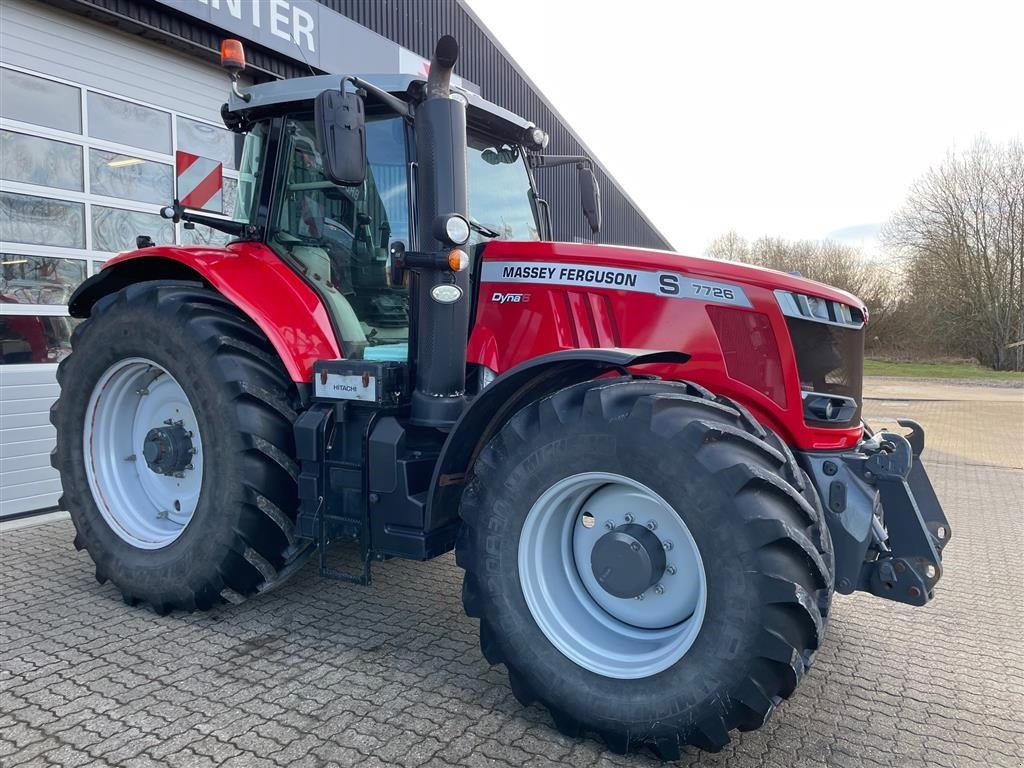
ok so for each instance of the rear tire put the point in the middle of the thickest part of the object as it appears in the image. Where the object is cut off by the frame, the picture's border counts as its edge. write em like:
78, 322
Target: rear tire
237, 539
765, 553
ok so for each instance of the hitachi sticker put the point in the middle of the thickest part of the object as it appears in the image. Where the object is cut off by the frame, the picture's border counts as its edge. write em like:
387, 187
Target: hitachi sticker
673, 285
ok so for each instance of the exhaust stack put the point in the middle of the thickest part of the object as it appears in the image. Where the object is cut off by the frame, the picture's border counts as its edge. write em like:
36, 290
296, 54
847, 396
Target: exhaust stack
440, 328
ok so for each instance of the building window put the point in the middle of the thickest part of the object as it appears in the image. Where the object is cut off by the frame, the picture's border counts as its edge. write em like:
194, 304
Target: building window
42, 162
40, 101
209, 141
35, 338
41, 220
130, 178
71, 195
28, 279
115, 230
127, 123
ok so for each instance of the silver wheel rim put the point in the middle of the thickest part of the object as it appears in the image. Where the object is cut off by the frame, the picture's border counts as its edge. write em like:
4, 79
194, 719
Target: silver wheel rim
623, 638
146, 508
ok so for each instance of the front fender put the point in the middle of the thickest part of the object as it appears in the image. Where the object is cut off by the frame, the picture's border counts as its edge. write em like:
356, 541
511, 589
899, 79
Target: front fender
504, 397
249, 275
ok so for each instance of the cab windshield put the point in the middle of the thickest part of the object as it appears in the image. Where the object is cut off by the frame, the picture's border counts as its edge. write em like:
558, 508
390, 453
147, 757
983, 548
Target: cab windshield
340, 237
499, 191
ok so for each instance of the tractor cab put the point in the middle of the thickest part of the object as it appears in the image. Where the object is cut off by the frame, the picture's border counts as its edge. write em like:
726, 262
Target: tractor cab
340, 237
341, 234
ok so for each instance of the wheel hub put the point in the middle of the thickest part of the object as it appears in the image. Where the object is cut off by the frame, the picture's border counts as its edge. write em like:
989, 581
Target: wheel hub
612, 575
145, 479
628, 560
168, 450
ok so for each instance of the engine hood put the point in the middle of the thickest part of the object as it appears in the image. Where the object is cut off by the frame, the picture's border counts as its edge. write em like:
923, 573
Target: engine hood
650, 259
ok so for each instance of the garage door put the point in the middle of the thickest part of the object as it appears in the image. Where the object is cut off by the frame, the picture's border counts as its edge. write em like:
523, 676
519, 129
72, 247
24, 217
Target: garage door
90, 119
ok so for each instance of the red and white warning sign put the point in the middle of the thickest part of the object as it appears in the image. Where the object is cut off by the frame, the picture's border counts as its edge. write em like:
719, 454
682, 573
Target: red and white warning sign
200, 182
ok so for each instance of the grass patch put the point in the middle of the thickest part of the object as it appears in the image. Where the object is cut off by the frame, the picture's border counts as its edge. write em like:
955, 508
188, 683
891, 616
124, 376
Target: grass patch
938, 370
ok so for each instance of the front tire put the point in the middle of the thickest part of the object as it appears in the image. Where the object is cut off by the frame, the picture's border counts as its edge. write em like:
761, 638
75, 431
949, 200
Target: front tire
175, 445
760, 570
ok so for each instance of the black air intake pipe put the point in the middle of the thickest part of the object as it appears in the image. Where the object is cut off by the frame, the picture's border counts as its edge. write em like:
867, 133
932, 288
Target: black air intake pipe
440, 329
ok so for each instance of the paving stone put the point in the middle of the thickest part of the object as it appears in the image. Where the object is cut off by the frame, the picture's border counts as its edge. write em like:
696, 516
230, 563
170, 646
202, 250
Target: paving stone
319, 674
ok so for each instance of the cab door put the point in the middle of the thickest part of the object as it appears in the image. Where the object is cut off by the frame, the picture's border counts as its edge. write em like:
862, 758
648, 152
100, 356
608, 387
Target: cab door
339, 238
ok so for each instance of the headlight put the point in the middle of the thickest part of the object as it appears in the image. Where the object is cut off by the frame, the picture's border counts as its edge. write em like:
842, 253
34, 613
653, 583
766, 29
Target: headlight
536, 138
818, 310
453, 228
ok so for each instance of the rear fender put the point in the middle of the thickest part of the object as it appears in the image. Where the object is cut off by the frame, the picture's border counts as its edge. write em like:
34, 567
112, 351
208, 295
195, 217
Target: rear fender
250, 276
504, 397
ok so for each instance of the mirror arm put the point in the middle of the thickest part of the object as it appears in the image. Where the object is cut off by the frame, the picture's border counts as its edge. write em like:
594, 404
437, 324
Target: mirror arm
554, 161
392, 102
177, 212
246, 97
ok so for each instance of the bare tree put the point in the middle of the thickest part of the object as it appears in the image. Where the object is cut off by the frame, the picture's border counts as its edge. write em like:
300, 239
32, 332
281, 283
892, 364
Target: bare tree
961, 236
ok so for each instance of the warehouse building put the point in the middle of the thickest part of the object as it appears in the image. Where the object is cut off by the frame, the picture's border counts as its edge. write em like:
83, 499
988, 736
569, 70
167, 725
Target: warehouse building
96, 96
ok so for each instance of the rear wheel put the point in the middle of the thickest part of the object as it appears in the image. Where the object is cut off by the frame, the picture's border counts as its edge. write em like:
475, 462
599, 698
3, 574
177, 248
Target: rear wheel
174, 444
643, 559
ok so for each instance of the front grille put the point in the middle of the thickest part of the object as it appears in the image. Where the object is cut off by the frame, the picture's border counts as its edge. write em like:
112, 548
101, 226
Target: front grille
750, 350
830, 360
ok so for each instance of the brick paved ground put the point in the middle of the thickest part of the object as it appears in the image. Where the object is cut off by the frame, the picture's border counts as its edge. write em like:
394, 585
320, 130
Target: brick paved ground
322, 673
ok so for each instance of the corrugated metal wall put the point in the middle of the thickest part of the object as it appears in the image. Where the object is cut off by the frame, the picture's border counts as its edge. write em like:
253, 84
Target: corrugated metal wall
416, 25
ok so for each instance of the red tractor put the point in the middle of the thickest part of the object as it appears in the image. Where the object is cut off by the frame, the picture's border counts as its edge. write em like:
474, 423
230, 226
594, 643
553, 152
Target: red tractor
652, 467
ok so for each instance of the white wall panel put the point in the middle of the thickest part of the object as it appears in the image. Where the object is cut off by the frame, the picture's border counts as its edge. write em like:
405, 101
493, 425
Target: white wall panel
27, 481
40, 37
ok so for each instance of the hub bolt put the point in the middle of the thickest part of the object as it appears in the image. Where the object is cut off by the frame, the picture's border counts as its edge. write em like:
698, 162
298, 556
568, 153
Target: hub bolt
640, 596
671, 570
651, 525
659, 589
629, 518
667, 545
610, 525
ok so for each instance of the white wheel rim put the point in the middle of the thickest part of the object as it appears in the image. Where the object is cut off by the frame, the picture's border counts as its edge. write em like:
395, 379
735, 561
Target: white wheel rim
145, 507
614, 637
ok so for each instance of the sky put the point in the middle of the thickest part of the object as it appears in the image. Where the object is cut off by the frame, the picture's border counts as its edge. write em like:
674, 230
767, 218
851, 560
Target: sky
790, 119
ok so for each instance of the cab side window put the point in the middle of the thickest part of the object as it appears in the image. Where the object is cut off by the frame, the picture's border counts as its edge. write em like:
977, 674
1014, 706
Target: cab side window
340, 236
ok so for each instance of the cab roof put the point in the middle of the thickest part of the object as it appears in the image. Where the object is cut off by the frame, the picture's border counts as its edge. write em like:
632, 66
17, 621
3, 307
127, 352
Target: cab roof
277, 94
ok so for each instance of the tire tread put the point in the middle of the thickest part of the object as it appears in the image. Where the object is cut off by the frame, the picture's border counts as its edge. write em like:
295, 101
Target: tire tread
765, 473
245, 364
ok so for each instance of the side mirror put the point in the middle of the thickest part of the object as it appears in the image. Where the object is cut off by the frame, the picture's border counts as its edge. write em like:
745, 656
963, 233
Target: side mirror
341, 136
590, 196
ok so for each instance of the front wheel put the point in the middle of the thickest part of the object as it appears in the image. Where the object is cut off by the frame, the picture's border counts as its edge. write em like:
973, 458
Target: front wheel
175, 445
644, 559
